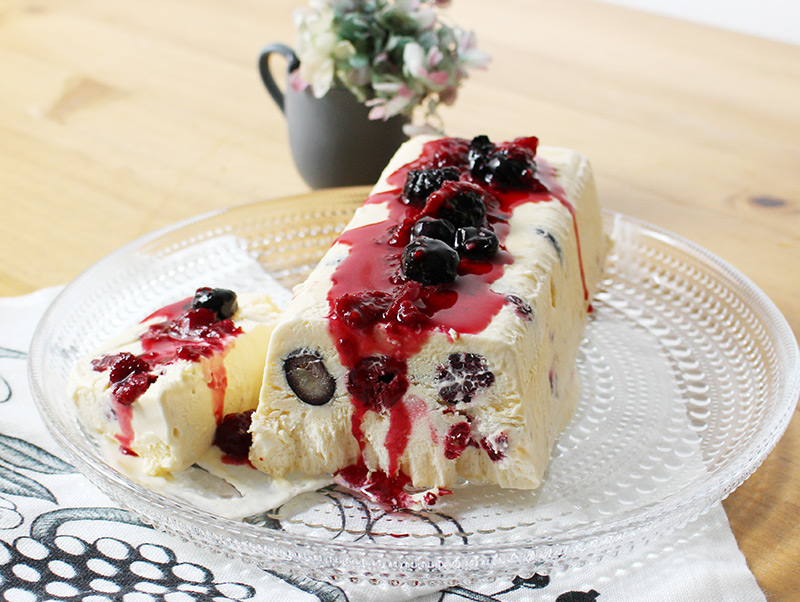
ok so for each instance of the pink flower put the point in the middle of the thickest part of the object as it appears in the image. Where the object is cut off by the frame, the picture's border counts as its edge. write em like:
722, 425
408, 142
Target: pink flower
296, 81
396, 97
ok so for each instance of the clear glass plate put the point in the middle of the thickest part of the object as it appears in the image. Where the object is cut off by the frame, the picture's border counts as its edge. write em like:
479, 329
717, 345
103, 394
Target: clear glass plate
689, 373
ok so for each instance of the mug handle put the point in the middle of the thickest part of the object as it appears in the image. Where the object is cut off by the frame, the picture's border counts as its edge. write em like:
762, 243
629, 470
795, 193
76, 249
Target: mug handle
266, 74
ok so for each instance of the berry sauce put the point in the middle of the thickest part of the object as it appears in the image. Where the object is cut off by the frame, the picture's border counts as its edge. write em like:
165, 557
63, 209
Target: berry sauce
376, 312
184, 333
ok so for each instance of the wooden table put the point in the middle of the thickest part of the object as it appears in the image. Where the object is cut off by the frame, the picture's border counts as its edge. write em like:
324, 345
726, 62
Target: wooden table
118, 117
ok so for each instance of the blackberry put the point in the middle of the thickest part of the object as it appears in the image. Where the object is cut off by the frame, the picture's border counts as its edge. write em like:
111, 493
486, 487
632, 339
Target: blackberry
420, 183
521, 308
430, 261
461, 204
511, 167
479, 150
462, 376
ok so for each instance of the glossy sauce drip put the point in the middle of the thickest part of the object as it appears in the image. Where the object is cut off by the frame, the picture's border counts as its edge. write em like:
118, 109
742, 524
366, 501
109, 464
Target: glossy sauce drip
217, 381
126, 435
394, 317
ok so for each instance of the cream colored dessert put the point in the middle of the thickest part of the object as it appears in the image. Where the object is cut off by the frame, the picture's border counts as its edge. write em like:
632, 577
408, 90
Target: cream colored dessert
384, 372
178, 374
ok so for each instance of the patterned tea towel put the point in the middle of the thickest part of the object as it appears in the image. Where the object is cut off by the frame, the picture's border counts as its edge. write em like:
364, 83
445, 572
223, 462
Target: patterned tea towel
61, 539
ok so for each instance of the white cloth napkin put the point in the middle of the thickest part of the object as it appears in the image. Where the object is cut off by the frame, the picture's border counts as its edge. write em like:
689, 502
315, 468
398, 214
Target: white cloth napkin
61, 539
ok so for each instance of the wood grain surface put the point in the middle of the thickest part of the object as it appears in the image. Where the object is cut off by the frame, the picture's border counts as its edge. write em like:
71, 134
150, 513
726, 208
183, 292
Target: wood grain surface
118, 117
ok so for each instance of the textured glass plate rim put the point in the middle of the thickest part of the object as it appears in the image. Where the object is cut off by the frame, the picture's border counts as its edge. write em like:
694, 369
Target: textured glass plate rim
674, 511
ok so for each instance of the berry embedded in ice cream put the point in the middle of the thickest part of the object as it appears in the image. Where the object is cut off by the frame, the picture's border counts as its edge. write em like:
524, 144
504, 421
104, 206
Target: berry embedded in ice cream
161, 390
437, 338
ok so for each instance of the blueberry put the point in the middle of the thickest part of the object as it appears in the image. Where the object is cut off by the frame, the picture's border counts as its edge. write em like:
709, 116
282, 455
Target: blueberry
219, 300
440, 229
308, 377
511, 167
430, 261
378, 381
462, 206
479, 150
233, 434
420, 183
508, 167
476, 243
462, 376
552, 240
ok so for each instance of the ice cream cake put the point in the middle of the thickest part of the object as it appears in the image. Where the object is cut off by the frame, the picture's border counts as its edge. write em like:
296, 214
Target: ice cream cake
187, 374
437, 338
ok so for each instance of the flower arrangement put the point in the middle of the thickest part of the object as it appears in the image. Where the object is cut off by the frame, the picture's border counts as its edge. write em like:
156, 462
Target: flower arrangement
393, 55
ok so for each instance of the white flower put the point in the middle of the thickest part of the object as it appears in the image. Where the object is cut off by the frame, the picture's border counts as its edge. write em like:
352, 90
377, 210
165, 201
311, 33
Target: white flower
468, 50
413, 58
393, 55
315, 47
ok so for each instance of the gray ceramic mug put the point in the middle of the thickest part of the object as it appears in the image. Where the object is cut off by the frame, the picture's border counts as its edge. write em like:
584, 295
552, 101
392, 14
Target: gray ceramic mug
333, 143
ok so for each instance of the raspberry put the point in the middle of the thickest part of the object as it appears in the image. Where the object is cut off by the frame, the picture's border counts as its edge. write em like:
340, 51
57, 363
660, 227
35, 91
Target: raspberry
495, 448
132, 388
362, 310
378, 382
125, 365
128, 374
456, 440
233, 436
